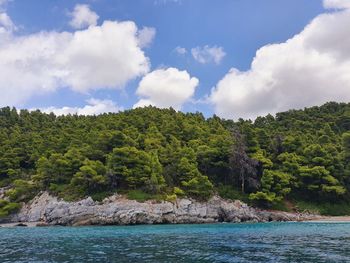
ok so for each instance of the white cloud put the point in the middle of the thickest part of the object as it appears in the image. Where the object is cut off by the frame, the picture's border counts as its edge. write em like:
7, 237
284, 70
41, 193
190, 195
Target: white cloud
180, 50
146, 36
166, 88
336, 4
83, 16
6, 22
104, 56
309, 69
99, 57
94, 107
208, 54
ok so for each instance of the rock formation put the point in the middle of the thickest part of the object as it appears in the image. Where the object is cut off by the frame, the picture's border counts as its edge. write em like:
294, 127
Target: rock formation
116, 210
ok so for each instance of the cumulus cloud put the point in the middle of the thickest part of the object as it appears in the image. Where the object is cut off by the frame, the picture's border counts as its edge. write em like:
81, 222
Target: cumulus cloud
83, 16
336, 4
207, 54
166, 88
146, 36
99, 57
180, 50
104, 56
6, 22
309, 69
93, 107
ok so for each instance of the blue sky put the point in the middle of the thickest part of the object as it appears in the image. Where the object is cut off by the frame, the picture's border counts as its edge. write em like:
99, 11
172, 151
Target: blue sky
239, 28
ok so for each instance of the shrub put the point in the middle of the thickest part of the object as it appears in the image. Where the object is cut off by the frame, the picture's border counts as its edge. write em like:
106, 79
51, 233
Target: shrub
329, 209
7, 208
229, 192
138, 195
171, 198
178, 191
22, 191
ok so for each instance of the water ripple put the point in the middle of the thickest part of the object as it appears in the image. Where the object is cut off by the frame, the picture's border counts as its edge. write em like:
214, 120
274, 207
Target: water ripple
270, 242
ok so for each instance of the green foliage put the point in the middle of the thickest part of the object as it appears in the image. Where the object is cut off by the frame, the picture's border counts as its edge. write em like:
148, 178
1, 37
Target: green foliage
230, 192
289, 163
91, 177
138, 195
324, 208
58, 168
99, 196
22, 191
135, 168
178, 191
171, 198
346, 145
142, 196
275, 185
260, 156
319, 180
187, 170
199, 187
299, 153
66, 191
7, 208
280, 206
156, 182
346, 154
264, 198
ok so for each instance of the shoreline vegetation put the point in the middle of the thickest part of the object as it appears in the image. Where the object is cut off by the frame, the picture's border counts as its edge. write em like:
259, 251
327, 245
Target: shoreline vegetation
296, 161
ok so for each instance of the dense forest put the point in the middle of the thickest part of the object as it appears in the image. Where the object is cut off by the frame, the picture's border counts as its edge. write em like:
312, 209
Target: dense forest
298, 158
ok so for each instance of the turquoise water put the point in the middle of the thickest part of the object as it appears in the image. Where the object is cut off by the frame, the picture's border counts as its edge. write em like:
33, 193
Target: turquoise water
269, 242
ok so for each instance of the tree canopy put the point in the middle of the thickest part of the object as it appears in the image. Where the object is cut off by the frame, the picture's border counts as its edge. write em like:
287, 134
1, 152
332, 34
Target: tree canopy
303, 153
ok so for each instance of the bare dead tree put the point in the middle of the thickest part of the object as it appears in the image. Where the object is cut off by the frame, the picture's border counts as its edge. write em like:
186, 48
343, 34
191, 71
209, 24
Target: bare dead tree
240, 162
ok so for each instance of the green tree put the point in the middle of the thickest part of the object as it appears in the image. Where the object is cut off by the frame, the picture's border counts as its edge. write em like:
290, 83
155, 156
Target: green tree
91, 177
156, 182
54, 169
133, 168
153, 140
289, 163
318, 180
155, 150
346, 146
275, 185
22, 191
346, 155
199, 187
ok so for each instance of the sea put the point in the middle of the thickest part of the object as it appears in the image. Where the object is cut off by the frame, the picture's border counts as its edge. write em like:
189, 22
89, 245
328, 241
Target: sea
225, 242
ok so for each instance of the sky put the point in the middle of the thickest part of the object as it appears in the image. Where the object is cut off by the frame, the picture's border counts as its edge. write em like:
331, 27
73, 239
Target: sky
232, 58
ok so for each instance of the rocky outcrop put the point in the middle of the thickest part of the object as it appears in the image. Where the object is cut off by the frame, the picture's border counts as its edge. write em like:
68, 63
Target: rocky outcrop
117, 210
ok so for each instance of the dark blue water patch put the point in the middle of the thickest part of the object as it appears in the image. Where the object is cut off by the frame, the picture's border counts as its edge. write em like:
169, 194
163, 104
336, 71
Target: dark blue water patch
269, 242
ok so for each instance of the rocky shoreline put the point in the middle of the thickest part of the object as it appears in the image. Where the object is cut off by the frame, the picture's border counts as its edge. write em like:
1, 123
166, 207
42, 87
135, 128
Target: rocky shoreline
47, 210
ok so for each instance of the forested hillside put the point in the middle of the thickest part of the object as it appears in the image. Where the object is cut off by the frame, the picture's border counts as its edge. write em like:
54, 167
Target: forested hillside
300, 155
